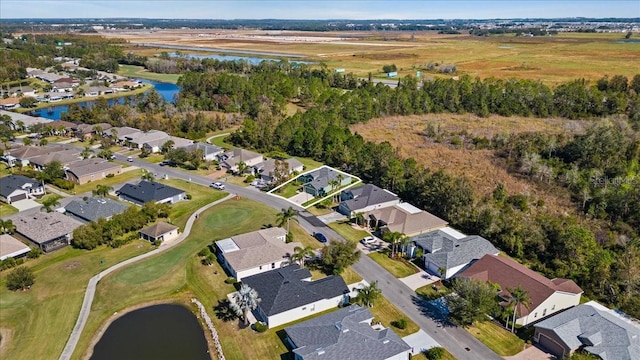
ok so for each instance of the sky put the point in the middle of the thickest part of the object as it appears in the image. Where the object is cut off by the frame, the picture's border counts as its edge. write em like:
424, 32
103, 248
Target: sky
318, 9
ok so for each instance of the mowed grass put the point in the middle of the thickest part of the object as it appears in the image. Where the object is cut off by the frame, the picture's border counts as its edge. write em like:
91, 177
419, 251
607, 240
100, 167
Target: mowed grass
6, 209
347, 231
200, 196
501, 341
112, 181
309, 164
41, 319
398, 268
140, 72
178, 273
447, 356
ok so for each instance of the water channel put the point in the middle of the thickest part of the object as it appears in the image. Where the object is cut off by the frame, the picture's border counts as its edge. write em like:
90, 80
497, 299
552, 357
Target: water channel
158, 332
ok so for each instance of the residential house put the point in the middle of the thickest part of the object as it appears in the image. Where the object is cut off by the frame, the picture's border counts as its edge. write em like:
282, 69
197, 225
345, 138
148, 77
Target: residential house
160, 232
84, 131
49, 231
365, 198
137, 140
11, 247
125, 85
20, 156
84, 171
47, 76
18, 91
10, 103
155, 146
288, 294
22, 121
123, 133
98, 91
348, 333
146, 191
319, 182
65, 157
548, 296
17, 187
266, 170
210, 152
232, 158
63, 87
255, 252
403, 218
447, 251
94, 208
593, 328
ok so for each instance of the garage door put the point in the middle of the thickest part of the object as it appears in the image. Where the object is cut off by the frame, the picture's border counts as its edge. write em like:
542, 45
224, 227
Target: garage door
17, 197
551, 345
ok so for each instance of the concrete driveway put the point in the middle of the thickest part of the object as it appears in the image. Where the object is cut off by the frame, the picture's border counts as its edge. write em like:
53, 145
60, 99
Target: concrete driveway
531, 353
419, 280
420, 341
25, 204
331, 217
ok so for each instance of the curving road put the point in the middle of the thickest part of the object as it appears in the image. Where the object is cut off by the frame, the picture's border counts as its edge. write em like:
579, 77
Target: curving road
93, 282
456, 340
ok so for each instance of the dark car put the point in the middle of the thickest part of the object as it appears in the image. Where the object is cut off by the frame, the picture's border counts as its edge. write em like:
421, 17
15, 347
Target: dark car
320, 237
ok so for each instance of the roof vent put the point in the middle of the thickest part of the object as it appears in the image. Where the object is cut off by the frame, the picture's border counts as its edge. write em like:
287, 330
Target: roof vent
345, 330
337, 325
385, 342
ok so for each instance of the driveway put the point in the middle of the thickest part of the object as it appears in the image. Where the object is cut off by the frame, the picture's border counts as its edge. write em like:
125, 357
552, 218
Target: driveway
420, 341
25, 204
331, 217
300, 199
531, 353
419, 280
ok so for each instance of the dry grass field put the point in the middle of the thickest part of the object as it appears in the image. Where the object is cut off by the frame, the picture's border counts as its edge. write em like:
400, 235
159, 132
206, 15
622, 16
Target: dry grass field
481, 167
550, 59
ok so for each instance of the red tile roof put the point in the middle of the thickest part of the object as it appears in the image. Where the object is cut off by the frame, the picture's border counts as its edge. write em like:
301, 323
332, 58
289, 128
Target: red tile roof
509, 274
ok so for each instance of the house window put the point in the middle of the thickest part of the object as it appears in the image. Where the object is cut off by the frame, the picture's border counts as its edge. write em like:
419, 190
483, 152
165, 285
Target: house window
304, 308
544, 312
273, 265
535, 315
260, 267
553, 307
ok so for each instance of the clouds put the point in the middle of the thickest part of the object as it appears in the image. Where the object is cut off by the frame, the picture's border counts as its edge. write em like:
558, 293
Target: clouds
328, 9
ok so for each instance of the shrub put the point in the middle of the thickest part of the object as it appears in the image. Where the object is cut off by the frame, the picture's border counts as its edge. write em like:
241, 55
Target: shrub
209, 259
230, 280
204, 252
260, 326
400, 324
34, 253
188, 196
110, 175
157, 242
64, 184
435, 353
20, 279
249, 179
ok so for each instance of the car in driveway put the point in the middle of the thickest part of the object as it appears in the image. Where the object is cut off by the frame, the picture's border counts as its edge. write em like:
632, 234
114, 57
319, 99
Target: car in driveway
320, 237
368, 240
217, 185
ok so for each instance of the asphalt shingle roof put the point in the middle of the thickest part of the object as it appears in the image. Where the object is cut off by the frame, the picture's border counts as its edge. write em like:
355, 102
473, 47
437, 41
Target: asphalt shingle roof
367, 195
41, 227
448, 252
322, 177
147, 191
91, 166
288, 288
11, 183
94, 208
345, 334
600, 330
158, 229
257, 248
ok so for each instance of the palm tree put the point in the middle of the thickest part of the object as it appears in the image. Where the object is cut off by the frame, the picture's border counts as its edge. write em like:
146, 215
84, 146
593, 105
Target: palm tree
285, 215
102, 190
242, 167
7, 226
368, 294
519, 296
360, 220
300, 254
245, 300
147, 175
394, 238
86, 153
49, 203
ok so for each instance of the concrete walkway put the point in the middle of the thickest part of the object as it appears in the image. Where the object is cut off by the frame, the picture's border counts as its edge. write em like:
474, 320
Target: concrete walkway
91, 288
215, 136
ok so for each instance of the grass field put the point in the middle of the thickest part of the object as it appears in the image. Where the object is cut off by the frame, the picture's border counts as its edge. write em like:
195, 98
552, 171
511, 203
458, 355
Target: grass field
6, 209
200, 196
501, 341
154, 158
140, 72
347, 231
90, 186
427, 292
398, 268
219, 141
309, 164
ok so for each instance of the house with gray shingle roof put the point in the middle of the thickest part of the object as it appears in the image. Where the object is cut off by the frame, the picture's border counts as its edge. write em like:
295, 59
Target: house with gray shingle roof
160, 231
255, 252
345, 334
288, 294
319, 182
146, 191
19, 187
365, 198
49, 231
94, 208
210, 152
451, 251
592, 328
403, 218
232, 158
266, 170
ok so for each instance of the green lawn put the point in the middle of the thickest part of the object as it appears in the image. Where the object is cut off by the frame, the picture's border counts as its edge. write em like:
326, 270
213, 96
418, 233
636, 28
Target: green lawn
219, 141
154, 158
319, 211
349, 276
398, 268
447, 356
385, 312
6, 209
140, 72
501, 341
309, 164
288, 190
427, 292
347, 231
300, 235
200, 196
118, 179
41, 319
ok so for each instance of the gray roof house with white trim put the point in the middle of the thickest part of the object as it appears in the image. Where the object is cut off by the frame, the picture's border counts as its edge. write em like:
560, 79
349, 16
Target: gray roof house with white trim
345, 334
288, 294
365, 198
94, 208
146, 191
210, 151
19, 187
593, 328
445, 250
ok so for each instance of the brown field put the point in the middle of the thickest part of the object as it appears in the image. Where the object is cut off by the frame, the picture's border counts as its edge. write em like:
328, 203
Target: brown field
551, 59
482, 167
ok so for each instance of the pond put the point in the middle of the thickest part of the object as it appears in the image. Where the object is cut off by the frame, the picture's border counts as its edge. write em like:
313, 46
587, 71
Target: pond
166, 90
250, 59
154, 333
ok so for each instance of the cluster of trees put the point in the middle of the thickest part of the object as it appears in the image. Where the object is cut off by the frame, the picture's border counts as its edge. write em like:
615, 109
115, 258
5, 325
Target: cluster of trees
181, 157
112, 232
561, 246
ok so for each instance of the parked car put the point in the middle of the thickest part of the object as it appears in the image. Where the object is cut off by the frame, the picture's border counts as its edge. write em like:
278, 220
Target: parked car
217, 185
368, 240
320, 237
130, 158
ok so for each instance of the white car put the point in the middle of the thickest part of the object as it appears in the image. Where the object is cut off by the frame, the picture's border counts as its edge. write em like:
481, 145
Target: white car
217, 185
368, 240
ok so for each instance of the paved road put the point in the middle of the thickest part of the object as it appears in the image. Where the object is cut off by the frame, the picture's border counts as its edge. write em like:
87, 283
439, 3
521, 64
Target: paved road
93, 282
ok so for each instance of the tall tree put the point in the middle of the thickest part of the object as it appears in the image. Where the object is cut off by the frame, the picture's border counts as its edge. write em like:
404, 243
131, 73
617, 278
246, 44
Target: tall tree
368, 294
337, 256
245, 300
7, 226
285, 216
471, 301
102, 190
50, 202
147, 175
394, 238
519, 298
20, 279
300, 254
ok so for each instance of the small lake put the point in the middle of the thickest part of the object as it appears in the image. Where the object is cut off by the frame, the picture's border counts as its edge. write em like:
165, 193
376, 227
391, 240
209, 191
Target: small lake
159, 332
166, 90
250, 59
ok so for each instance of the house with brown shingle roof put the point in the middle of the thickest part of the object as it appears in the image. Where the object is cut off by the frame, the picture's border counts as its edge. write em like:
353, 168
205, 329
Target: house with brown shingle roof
404, 218
548, 296
255, 252
83, 171
49, 231
159, 232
